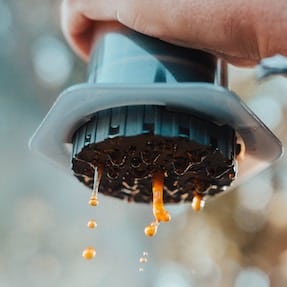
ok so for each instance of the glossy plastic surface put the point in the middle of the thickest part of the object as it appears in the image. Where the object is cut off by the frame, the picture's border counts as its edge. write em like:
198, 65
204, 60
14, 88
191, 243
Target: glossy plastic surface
77, 104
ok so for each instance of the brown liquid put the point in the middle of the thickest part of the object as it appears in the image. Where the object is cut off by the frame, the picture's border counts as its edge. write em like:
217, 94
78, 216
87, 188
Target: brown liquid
92, 224
159, 211
93, 201
143, 260
97, 180
151, 229
89, 253
241, 155
197, 202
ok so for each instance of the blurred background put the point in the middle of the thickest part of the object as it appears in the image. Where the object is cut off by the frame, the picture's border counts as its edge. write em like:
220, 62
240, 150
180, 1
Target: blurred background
239, 240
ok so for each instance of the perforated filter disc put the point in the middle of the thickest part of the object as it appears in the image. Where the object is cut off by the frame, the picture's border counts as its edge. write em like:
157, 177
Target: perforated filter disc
78, 104
129, 145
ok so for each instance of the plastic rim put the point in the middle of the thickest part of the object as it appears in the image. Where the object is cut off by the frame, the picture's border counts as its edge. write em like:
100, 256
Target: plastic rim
78, 103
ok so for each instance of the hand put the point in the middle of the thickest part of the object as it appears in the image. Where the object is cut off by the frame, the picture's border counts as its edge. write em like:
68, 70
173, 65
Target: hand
240, 31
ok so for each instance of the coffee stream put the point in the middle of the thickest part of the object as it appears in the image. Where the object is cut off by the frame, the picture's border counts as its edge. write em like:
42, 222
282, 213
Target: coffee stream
159, 212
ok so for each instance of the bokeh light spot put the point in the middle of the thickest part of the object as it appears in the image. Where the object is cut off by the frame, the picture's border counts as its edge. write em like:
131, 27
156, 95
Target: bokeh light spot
268, 109
173, 275
256, 193
251, 277
52, 61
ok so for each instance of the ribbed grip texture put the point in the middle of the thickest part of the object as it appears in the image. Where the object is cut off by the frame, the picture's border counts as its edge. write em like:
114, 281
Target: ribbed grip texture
131, 143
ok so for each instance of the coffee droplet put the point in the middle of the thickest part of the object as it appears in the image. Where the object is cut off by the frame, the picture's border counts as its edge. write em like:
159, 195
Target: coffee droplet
143, 260
92, 223
93, 201
141, 269
151, 229
197, 202
89, 253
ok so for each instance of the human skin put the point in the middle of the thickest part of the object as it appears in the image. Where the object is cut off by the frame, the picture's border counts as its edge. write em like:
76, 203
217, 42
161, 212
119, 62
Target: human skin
240, 31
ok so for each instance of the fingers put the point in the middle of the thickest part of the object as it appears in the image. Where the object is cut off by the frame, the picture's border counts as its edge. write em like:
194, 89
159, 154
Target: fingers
79, 21
192, 23
76, 27
227, 28
81, 18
